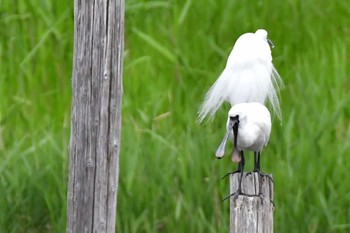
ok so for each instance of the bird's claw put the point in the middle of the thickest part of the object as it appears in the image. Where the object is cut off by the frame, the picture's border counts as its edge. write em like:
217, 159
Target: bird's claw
262, 197
260, 174
249, 173
239, 192
266, 175
230, 173
235, 195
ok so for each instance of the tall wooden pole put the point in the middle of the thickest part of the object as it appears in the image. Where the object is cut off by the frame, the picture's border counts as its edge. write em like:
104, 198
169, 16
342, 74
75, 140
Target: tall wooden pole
251, 213
96, 116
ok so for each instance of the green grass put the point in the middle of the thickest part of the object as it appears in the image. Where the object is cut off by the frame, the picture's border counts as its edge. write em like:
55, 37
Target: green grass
174, 50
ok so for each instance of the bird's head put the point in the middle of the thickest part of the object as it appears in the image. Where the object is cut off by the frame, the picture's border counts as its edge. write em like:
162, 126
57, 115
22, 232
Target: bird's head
249, 49
232, 131
232, 126
262, 33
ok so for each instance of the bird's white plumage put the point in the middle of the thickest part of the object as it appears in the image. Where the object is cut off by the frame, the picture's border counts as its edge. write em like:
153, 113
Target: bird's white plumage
249, 76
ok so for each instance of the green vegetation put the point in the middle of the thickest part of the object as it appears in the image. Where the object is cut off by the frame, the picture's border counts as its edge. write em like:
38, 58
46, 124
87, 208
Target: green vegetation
174, 50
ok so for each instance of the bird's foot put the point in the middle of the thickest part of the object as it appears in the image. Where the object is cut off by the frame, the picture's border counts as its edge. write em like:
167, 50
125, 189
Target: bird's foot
266, 175
239, 193
235, 195
262, 198
260, 174
249, 173
231, 173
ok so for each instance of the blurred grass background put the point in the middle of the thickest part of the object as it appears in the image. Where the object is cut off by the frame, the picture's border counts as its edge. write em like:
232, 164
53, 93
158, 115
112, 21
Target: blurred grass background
174, 50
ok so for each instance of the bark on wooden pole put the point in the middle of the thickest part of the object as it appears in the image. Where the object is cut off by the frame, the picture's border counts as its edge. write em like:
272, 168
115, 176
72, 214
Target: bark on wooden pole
96, 115
251, 213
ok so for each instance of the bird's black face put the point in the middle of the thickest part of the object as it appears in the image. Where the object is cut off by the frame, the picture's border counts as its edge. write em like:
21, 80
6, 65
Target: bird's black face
270, 43
234, 122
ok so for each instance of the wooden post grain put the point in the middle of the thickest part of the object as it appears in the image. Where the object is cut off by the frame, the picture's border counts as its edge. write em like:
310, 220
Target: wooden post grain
96, 116
251, 214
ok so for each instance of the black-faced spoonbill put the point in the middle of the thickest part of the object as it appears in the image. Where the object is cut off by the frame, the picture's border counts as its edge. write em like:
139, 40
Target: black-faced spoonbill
249, 126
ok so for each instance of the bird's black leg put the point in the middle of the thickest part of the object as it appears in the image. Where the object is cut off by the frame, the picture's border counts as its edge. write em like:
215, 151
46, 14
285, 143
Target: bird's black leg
257, 166
256, 163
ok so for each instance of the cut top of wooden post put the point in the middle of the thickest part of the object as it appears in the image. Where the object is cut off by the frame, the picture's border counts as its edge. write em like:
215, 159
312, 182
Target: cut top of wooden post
250, 184
251, 212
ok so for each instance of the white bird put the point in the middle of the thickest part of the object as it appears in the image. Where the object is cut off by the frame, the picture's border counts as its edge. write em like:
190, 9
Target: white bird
249, 126
249, 76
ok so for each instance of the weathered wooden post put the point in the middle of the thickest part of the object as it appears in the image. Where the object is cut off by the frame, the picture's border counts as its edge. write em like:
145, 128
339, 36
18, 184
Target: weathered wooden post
251, 213
96, 116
